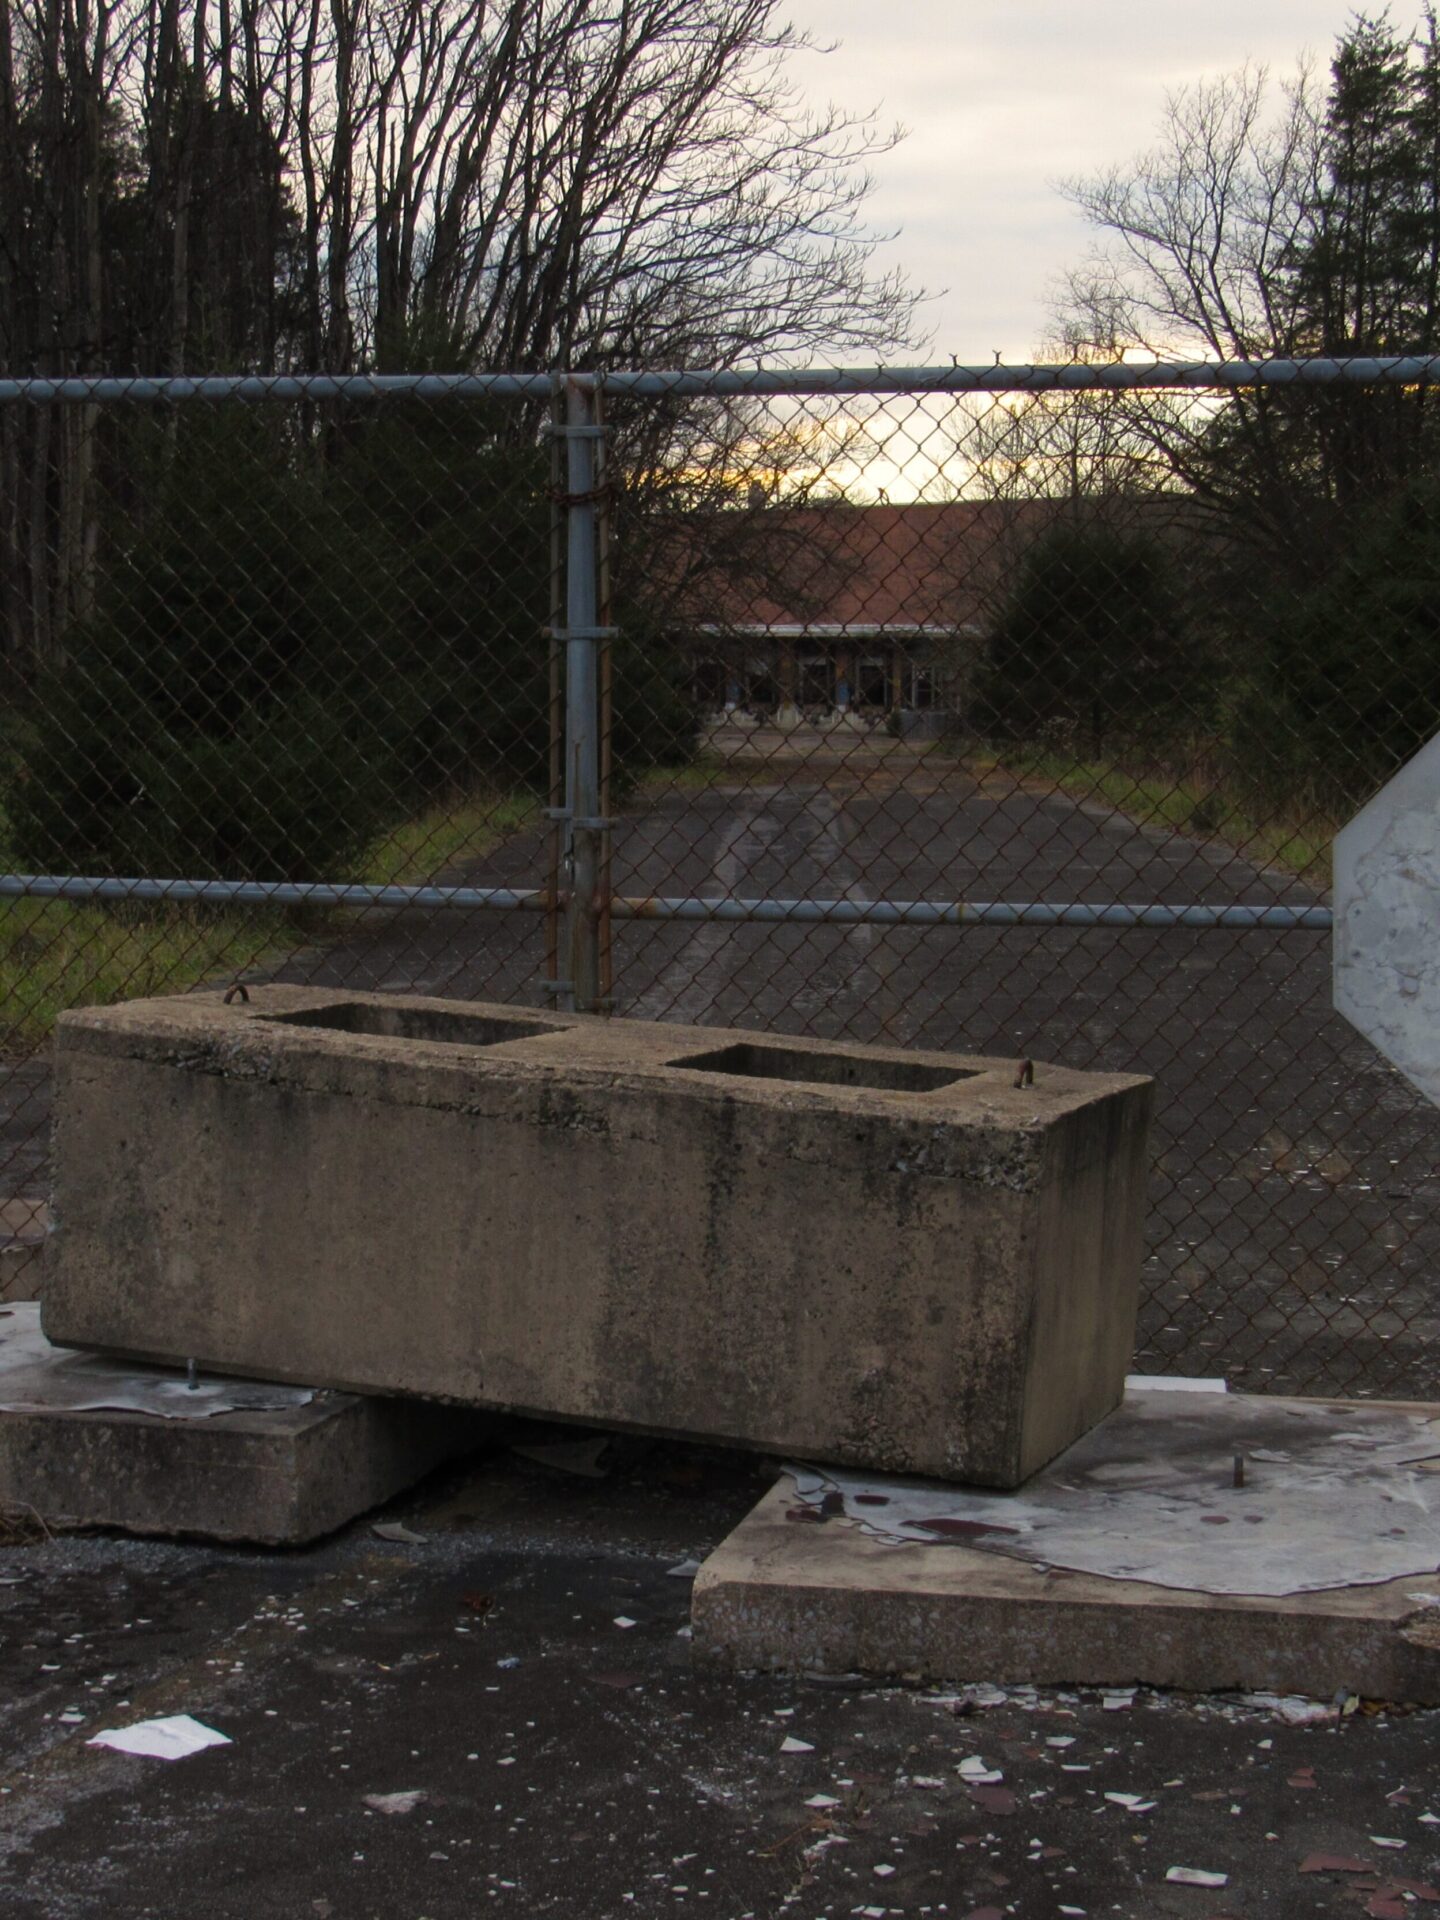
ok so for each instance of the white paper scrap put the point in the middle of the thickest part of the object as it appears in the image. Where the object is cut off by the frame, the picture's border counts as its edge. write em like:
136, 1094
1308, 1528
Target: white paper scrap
822, 1802
791, 1745
975, 1770
175, 1738
1132, 1802
1196, 1877
1171, 1383
395, 1802
1379, 1840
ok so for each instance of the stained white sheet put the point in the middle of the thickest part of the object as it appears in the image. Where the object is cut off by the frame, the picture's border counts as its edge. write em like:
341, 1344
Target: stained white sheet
1334, 1495
37, 1377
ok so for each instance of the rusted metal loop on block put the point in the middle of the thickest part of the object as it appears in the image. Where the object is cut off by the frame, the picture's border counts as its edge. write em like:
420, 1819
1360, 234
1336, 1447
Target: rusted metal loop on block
237, 986
1025, 1076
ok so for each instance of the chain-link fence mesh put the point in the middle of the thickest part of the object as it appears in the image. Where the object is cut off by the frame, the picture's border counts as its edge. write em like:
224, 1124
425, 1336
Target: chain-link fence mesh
1139, 647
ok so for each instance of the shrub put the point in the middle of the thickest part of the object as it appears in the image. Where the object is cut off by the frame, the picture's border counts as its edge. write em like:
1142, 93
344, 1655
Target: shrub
1343, 684
301, 641
1091, 641
224, 712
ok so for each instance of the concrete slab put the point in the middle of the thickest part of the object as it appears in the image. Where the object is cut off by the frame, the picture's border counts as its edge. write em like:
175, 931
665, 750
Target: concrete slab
835, 1574
918, 1262
86, 1442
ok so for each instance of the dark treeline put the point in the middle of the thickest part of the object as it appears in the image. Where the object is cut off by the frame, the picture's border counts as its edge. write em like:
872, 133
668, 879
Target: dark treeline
246, 640
1289, 607
352, 185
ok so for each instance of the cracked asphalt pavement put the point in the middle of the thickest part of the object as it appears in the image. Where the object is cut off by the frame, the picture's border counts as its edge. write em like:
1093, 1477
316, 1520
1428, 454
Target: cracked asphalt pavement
554, 1759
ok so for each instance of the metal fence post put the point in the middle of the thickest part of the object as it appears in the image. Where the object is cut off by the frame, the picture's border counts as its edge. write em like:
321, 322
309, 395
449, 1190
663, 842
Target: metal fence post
582, 702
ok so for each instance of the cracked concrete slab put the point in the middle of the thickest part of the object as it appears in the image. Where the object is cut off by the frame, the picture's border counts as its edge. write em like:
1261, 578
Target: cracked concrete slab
1127, 1561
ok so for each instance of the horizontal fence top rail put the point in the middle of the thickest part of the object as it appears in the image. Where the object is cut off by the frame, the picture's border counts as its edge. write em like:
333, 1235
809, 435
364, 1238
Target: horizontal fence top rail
920, 913
779, 382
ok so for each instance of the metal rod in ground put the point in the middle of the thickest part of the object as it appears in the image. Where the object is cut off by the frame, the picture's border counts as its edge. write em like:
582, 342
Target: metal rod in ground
917, 913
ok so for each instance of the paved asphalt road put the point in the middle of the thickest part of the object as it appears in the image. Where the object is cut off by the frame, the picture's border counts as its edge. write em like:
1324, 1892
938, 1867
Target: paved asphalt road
571, 1766
1294, 1234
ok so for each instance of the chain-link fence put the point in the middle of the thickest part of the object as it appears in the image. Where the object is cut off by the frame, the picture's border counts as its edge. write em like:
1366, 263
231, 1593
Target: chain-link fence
1009, 710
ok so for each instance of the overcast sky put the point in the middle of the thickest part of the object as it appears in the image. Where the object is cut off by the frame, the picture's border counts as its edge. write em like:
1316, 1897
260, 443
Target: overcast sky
1005, 97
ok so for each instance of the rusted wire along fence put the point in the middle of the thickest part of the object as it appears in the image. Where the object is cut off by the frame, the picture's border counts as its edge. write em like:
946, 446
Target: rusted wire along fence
1006, 709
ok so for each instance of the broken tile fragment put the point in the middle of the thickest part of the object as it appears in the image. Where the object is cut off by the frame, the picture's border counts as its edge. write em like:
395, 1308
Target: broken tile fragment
1196, 1877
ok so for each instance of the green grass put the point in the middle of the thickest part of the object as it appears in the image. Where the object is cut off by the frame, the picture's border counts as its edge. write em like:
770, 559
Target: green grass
694, 776
58, 954
446, 836
1180, 801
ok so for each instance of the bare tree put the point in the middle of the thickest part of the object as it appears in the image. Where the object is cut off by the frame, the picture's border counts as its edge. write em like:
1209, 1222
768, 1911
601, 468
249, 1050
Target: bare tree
201, 185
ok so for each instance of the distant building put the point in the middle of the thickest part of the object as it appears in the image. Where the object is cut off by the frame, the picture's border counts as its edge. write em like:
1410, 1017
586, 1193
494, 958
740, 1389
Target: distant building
837, 607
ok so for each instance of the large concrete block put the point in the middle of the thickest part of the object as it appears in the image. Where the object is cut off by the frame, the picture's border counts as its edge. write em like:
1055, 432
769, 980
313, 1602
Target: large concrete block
896, 1260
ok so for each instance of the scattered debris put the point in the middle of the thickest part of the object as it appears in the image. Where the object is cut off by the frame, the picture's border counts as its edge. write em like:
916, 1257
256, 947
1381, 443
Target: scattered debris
1293, 1708
822, 1802
395, 1802
1132, 1802
996, 1800
1118, 1700
683, 1570
1196, 1877
174, 1738
979, 1773
1332, 1863
623, 1620
392, 1530
22, 1527
791, 1745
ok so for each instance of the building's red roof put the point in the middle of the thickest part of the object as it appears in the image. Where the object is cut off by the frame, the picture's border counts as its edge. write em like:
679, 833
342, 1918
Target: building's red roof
855, 567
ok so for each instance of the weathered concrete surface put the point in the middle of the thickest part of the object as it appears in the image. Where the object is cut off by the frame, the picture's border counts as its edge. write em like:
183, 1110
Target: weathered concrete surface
792, 1590
897, 1260
277, 1475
